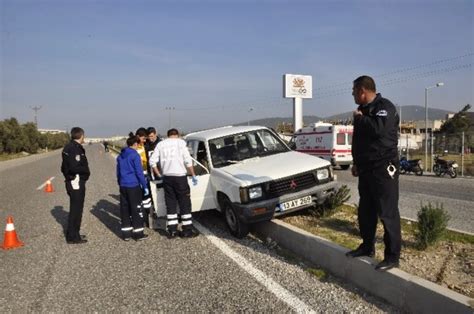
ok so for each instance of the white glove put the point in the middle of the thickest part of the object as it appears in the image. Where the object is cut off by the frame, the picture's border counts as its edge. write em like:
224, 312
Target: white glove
75, 183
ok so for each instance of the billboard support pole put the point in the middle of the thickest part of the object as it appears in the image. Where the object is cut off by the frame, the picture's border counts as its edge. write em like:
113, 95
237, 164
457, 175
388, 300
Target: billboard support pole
297, 113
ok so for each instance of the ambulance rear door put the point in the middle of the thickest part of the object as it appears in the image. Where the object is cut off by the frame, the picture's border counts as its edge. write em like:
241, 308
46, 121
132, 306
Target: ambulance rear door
342, 150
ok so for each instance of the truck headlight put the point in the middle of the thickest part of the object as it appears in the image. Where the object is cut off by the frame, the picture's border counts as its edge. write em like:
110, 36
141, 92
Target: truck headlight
255, 192
322, 174
244, 195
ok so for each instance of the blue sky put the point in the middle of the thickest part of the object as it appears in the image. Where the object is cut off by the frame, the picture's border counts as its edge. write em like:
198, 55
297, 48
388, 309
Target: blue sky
112, 66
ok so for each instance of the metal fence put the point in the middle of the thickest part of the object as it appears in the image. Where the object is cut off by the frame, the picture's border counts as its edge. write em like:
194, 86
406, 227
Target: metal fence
457, 146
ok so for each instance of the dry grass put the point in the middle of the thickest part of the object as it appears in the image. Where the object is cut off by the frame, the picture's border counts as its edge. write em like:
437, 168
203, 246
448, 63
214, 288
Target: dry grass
449, 263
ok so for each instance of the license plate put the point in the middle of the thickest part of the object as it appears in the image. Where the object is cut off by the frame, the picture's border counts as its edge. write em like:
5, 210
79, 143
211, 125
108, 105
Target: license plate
296, 203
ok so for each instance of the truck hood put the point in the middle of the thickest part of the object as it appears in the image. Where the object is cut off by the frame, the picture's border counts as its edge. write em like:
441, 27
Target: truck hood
263, 169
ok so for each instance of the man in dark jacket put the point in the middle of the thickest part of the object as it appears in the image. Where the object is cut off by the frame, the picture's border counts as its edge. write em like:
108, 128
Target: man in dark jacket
375, 155
131, 180
150, 144
75, 169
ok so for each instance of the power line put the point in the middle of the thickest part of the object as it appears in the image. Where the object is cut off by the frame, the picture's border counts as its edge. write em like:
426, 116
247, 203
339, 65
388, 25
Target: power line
402, 70
341, 91
413, 77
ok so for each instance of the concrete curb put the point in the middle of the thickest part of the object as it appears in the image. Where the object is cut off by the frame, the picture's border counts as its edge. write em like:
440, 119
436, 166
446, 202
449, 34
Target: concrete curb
408, 292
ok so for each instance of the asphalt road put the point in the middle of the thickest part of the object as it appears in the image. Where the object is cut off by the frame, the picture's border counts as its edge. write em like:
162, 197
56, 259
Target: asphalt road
213, 272
456, 195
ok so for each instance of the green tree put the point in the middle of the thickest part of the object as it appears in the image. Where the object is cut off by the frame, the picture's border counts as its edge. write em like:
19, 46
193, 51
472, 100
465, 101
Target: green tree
13, 139
458, 123
31, 135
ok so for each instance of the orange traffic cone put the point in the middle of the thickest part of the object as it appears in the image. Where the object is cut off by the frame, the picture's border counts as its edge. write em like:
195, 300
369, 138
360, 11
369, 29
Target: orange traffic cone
49, 187
10, 240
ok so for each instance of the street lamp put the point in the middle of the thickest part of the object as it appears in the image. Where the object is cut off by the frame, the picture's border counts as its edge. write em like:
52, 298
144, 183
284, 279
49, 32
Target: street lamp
426, 122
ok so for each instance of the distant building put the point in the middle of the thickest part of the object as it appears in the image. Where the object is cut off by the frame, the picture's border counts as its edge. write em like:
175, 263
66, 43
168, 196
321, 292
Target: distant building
433, 126
51, 131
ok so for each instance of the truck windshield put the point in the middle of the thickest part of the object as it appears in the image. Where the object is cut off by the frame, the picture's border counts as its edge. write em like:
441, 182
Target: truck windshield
237, 147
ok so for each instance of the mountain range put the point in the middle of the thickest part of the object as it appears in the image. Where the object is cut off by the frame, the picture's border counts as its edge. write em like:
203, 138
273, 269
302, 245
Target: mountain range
409, 113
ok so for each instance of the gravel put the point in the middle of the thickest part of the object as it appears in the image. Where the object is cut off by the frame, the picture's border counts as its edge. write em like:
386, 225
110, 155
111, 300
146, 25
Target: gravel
158, 274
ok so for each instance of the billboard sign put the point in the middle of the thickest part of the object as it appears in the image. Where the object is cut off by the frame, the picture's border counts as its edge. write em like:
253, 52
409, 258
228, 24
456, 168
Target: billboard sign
298, 86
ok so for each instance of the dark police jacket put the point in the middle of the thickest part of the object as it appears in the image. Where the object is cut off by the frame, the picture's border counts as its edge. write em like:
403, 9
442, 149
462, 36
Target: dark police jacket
149, 148
375, 138
75, 162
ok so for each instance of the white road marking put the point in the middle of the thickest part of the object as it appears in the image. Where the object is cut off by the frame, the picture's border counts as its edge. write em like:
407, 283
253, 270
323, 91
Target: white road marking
281, 293
42, 185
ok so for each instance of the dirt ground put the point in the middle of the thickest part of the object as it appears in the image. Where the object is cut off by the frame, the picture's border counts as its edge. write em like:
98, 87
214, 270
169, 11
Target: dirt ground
450, 263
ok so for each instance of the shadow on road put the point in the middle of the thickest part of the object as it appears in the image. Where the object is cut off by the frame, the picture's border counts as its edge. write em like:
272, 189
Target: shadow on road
61, 216
109, 214
115, 196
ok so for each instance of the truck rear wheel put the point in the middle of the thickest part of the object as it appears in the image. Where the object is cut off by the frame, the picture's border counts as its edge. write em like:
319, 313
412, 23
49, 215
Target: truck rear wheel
237, 228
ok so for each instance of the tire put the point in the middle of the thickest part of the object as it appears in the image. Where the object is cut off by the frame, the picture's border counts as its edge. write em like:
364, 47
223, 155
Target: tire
419, 172
437, 170
453, 173
236, 227
345, 167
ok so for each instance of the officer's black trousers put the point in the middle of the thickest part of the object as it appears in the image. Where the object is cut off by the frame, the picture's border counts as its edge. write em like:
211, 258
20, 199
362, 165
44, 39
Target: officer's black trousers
131, 211
379, 198
177, 191
76, 206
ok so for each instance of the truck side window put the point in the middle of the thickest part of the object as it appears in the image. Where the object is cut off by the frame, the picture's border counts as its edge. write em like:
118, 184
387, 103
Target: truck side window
191, 147
201, 155
341, 139
349, 138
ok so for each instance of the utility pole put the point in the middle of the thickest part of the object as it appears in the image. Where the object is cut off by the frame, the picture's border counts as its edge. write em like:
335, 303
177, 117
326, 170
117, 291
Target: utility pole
400, 130
36, 109
169, 115
248, 119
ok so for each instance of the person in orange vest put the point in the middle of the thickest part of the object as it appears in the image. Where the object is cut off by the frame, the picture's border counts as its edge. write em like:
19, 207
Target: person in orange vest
75, 169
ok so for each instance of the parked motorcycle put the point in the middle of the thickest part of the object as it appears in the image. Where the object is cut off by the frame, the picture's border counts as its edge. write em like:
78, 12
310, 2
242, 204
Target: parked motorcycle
442, 167
414, 165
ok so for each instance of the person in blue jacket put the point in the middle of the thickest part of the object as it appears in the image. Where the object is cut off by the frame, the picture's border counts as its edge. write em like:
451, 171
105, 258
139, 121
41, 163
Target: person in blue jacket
131, 181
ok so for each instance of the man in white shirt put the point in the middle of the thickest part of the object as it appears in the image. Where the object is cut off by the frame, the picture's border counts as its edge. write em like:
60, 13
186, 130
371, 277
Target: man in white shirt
175, 161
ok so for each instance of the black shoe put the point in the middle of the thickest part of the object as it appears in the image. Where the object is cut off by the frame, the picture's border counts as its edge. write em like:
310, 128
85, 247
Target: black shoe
189, 233
171, 234
141, 238
386, 265
360, 251
80, 241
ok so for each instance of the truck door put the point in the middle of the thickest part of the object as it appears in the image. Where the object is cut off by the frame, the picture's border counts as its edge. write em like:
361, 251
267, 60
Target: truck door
202, 197
201, 194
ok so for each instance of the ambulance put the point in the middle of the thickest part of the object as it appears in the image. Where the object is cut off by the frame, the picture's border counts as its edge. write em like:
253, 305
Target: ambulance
327, 141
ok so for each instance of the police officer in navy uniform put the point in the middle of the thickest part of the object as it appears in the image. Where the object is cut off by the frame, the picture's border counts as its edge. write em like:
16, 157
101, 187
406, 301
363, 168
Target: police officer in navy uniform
75, 169
376, 163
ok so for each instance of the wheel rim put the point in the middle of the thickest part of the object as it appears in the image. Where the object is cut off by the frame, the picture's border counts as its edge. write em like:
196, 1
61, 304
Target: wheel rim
230, 218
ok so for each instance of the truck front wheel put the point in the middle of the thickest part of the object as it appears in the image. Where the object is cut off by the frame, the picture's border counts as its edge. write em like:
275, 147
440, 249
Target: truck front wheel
237, 228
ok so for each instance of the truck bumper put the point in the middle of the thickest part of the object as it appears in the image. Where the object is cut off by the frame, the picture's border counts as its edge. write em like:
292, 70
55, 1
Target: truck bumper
335, 163
267, 209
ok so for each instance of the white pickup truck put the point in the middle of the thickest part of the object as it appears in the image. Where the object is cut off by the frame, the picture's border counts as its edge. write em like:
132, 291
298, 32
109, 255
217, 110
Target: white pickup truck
251, 175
